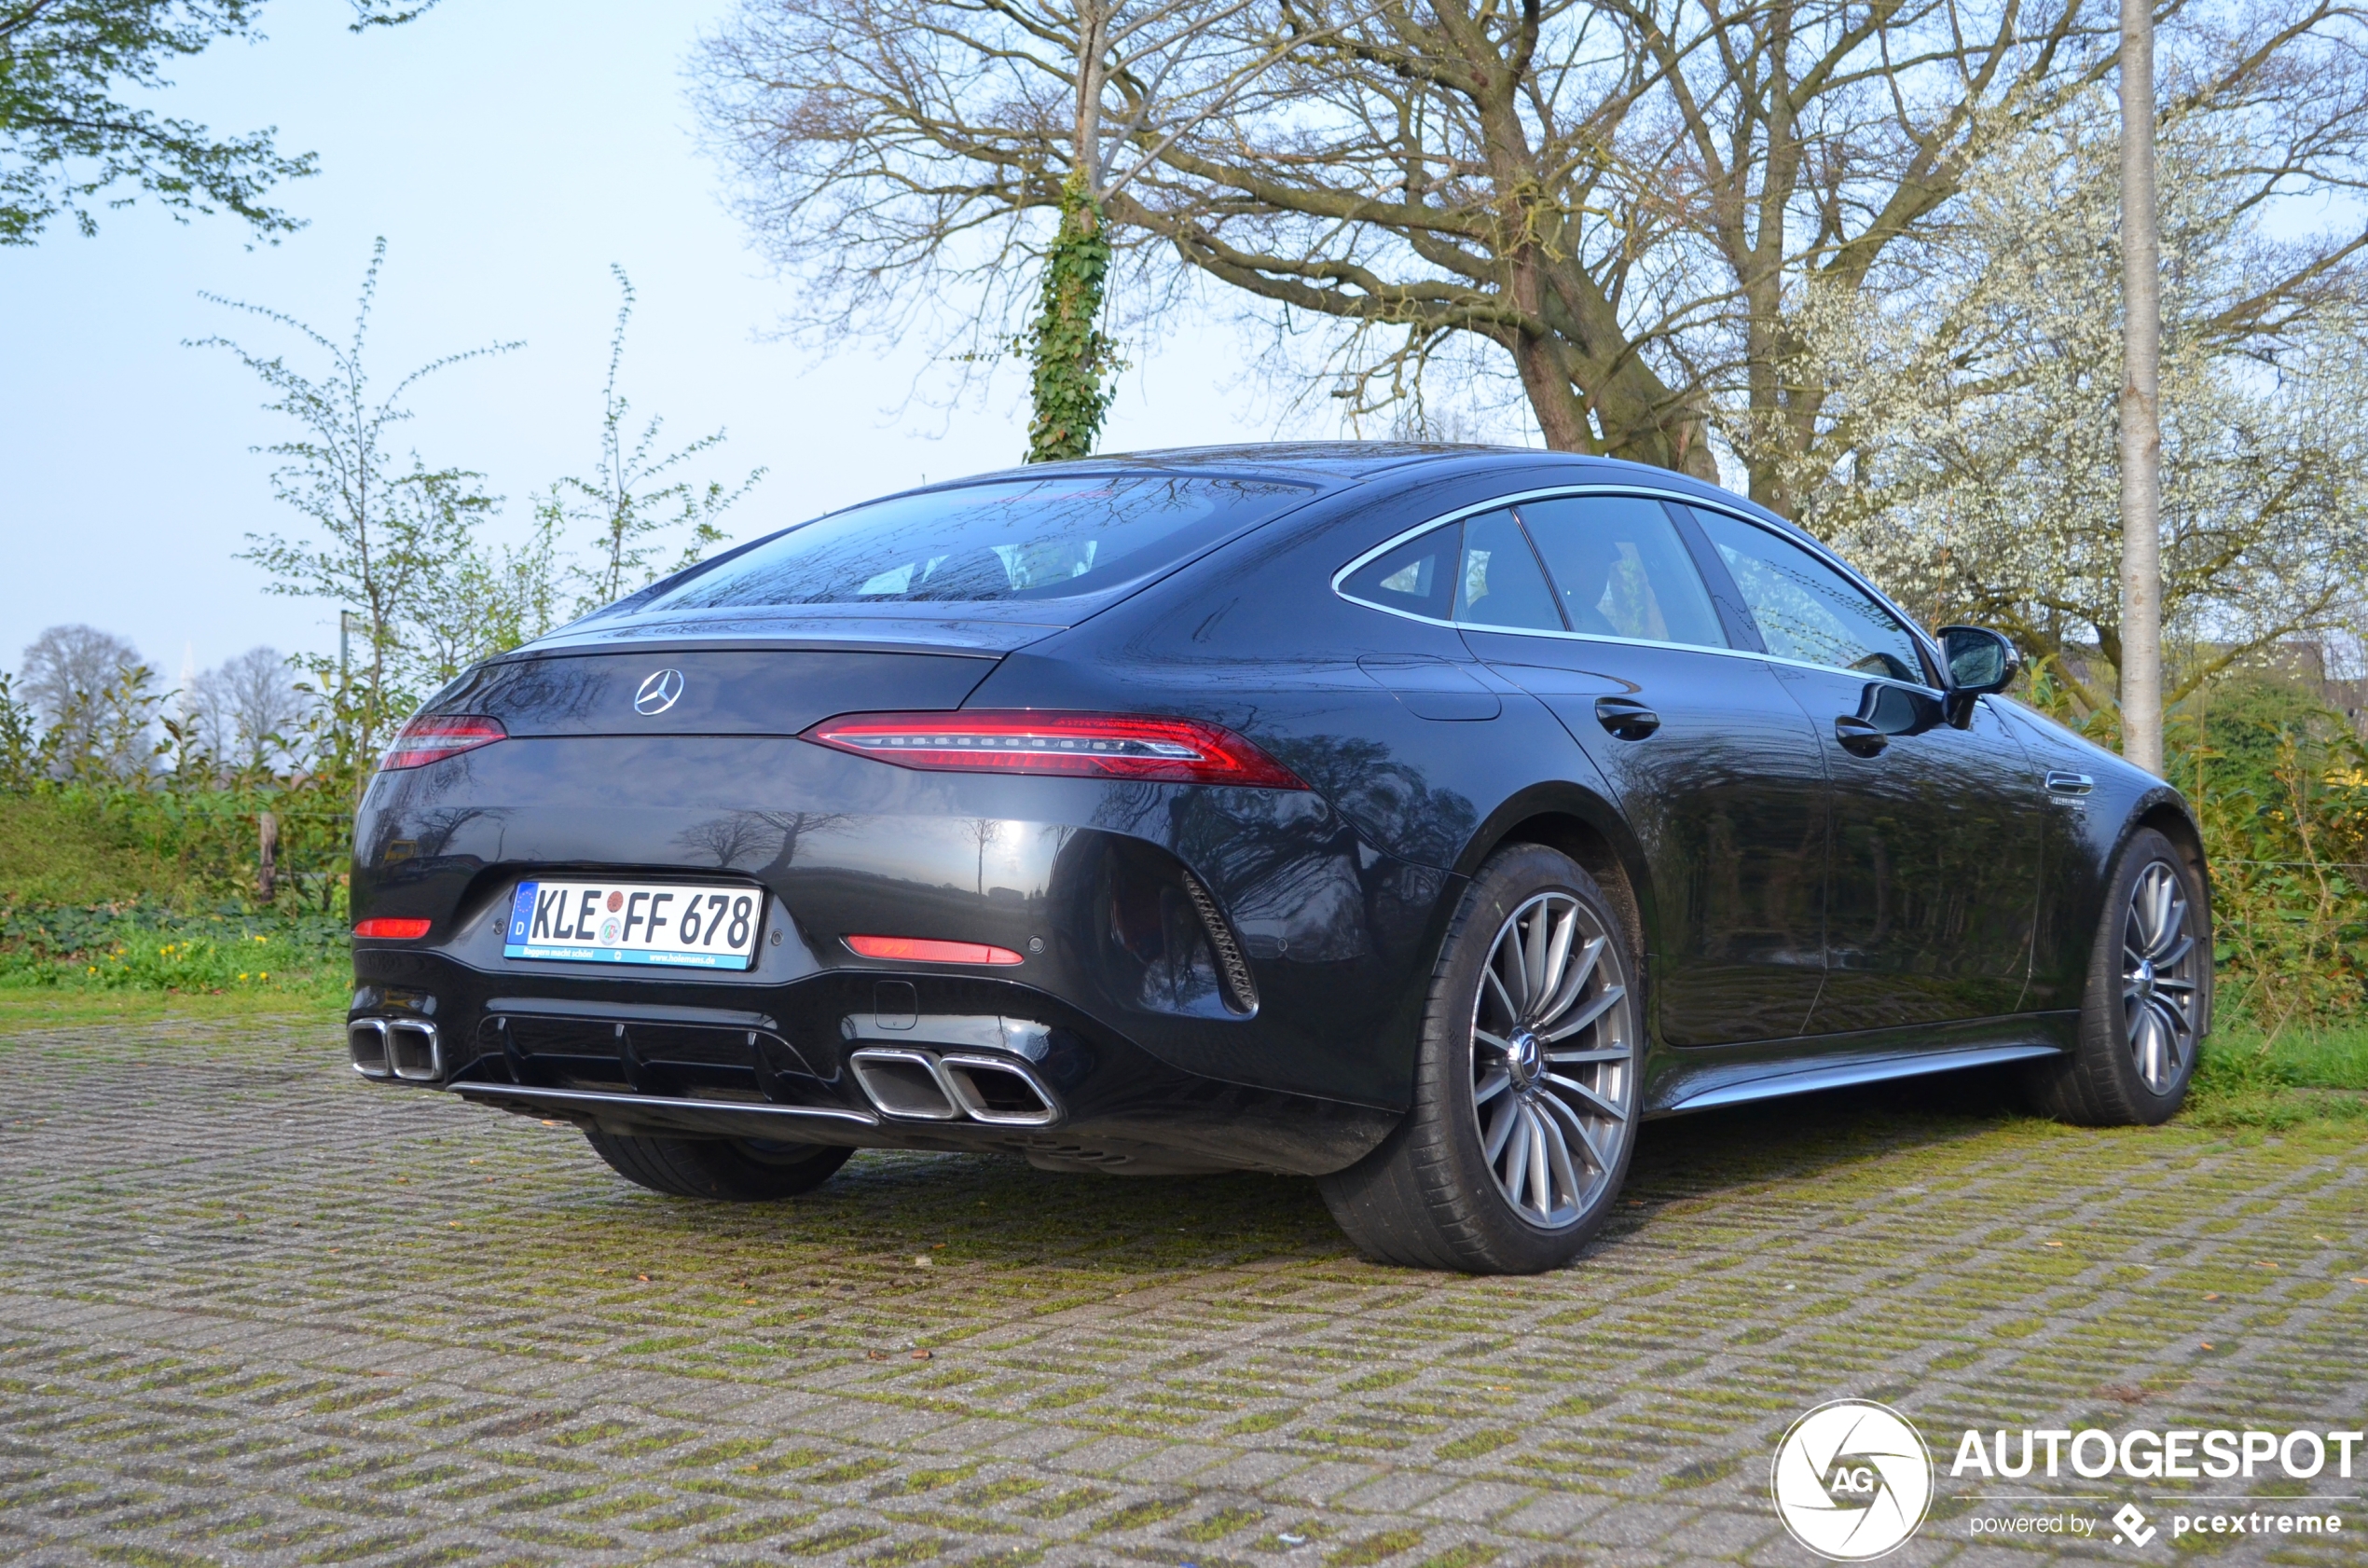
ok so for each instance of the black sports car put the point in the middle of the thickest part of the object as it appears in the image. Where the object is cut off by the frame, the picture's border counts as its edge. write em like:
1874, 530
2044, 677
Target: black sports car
1422, 819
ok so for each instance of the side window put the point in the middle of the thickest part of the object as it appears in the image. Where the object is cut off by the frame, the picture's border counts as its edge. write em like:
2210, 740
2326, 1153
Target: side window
1805, 608
1499, 584
1418, 577
1622, 570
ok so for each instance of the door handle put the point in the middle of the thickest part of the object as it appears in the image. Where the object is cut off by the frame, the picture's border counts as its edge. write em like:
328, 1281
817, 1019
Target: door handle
1627, 719
1859, 737
2063, 783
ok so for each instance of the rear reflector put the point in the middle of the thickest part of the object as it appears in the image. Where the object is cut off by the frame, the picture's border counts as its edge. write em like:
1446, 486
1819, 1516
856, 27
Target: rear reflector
428, 740
924, 950
384, 925
1087, 745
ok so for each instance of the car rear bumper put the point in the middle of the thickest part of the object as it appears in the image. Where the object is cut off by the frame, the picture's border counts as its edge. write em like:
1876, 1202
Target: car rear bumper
870, 1058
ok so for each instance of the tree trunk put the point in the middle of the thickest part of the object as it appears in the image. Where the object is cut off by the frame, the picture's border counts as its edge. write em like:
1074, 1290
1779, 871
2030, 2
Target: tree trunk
266, 855
2141, 661
1068, 355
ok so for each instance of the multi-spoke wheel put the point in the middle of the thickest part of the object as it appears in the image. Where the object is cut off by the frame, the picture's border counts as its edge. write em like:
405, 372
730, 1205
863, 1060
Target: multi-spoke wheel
1551, 1061
2149, 997
2159, 960
1525, 1101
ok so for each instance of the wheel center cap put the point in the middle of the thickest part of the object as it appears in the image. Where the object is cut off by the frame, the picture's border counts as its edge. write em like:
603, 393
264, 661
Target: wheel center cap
2145, 977
1523, 1059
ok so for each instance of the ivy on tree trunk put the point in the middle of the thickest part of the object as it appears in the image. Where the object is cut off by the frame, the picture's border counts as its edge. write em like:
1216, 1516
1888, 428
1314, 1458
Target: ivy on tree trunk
1070, 354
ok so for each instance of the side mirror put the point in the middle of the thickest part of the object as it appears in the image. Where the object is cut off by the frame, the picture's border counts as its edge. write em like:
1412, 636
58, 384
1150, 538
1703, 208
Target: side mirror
1980, 661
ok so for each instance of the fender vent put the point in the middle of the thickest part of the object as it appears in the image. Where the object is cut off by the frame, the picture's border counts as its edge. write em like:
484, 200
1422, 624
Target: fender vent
1233, 970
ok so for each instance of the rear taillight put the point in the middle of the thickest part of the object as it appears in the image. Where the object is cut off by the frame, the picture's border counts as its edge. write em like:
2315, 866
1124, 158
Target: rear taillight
431, 739
1087, 745
384, 926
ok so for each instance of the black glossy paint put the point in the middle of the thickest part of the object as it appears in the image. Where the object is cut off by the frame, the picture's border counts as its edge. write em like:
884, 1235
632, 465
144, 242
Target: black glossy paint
1813, 899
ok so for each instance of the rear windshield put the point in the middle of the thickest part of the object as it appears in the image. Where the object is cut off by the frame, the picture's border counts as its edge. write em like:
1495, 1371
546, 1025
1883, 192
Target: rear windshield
1019, 539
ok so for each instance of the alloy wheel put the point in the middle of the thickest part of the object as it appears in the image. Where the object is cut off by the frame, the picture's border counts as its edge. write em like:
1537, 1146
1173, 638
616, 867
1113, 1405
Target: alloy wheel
2159, 971
1553, 1060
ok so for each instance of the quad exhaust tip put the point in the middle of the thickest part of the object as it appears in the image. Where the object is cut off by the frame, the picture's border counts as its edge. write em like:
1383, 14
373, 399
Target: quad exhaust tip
404, 1048
922, 1085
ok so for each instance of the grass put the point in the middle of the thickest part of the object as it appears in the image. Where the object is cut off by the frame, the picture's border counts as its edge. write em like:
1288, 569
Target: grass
127, 904
2247, 1079
146, 950
52, 852
23, 1011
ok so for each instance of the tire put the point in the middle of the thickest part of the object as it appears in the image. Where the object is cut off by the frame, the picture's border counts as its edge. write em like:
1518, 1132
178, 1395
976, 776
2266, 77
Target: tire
735, 1170
1433, 1196
2147, 1004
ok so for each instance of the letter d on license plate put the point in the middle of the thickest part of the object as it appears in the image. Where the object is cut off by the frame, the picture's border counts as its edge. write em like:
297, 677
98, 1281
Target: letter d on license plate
683, 924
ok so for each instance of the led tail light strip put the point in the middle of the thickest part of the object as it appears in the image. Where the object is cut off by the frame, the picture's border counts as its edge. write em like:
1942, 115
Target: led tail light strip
1079, 745
426, 740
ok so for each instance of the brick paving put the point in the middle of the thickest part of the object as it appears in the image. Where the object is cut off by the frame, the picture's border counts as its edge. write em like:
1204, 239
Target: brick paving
255, 1311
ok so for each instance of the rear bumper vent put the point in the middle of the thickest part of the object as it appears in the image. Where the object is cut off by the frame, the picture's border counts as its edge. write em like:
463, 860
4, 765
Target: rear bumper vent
922, 1085
1232, 969
404, 1048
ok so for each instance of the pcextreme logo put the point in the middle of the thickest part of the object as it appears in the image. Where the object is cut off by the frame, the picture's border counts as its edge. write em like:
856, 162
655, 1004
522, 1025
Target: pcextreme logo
1851, 1480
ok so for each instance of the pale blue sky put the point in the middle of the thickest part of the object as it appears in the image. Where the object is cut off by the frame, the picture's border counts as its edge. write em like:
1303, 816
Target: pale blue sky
509, 150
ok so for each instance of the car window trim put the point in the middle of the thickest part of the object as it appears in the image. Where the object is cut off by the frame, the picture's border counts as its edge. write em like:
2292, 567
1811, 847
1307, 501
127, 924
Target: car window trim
1725, 597
1922, 643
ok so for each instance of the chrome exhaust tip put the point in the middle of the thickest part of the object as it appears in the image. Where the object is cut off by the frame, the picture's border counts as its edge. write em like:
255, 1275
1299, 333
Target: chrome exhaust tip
1003, 1094
903, 1083
414, 1051
366, 1040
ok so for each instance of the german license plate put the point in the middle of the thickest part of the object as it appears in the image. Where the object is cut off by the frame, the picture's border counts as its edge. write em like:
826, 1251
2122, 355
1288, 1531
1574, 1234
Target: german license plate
680, 924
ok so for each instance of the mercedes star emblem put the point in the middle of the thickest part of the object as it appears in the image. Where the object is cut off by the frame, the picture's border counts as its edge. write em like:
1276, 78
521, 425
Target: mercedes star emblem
657, 694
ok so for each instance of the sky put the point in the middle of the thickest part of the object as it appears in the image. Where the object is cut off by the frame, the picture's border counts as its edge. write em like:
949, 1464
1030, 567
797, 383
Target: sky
508, 152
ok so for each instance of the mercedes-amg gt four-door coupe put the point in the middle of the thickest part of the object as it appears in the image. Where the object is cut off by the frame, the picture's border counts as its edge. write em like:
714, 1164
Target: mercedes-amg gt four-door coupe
1422, 819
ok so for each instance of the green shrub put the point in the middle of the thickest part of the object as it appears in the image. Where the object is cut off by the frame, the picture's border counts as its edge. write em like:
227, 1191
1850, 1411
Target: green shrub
106, 947
2280, 785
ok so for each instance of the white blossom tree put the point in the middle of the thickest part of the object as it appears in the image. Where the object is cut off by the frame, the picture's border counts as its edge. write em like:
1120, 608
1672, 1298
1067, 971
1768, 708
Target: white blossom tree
1969, 456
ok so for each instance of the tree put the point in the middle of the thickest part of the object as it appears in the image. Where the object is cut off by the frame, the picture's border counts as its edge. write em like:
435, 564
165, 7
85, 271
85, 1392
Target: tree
243, 715
97, 699
485, 600
1085, 96
635, 496
66, 139
1612, 197
384, 534
1972, 462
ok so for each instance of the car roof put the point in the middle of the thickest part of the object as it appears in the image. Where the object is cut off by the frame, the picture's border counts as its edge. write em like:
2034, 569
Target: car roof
1348, 462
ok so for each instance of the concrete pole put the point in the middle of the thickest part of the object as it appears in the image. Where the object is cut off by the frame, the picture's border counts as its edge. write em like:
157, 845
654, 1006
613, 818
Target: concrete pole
2141, 441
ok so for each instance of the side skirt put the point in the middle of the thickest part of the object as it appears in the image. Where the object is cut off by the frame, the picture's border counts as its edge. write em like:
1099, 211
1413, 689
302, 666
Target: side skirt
1702, 1078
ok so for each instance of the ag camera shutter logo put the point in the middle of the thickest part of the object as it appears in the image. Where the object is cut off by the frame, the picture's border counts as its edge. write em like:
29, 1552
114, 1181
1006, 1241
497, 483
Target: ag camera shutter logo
1851, 1480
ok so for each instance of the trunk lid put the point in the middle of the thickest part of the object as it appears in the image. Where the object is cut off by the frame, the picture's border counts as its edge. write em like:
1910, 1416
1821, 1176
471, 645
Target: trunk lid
694, 691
